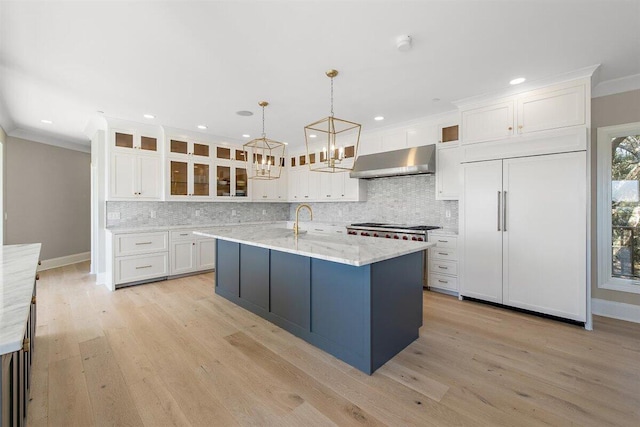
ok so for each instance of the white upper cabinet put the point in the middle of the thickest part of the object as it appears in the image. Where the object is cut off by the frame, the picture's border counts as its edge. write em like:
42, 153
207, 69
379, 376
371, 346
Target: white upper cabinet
394, 140
554, 107
135, 170
448, 173
424, 134
551, 109
487, 123
183, 147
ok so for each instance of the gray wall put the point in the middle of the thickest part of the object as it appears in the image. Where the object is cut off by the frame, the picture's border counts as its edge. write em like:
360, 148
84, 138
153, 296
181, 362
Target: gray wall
609, 110
48, 193
396, 200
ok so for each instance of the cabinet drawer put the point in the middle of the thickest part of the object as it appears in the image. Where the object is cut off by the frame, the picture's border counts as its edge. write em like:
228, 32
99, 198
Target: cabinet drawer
134, 244
141, 267
437, 266
444, 241
443, 282
182, 235
444, 254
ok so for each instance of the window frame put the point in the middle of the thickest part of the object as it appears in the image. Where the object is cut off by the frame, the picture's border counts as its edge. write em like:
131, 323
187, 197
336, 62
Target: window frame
605, 277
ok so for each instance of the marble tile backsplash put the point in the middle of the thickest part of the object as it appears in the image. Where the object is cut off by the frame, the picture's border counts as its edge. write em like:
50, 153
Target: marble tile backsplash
397, 200
139, 214
403, 200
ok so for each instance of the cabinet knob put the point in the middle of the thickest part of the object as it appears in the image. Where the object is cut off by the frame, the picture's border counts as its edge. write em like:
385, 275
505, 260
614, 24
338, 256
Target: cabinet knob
33, 299
510, 128
520, 127
37, 277
26, 344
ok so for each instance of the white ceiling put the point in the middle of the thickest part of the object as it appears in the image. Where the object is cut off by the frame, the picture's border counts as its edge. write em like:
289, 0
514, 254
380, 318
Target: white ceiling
191, 63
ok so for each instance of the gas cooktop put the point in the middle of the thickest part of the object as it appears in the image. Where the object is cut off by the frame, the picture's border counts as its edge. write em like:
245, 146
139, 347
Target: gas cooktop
396, 226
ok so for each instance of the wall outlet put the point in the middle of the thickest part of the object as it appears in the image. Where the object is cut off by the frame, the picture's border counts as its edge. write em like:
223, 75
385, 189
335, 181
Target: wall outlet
113, 215
152, 214
197, 212
264, 211
447, 213
233, 212
339, 212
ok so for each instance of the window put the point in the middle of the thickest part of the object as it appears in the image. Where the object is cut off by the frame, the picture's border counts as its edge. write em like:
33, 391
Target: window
619, 207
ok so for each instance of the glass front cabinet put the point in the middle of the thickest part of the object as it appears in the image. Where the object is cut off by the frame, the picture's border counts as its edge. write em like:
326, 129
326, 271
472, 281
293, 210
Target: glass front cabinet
231, 181
190, 170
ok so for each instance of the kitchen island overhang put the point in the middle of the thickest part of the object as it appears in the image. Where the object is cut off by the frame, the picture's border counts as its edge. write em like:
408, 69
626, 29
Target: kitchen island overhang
358, 299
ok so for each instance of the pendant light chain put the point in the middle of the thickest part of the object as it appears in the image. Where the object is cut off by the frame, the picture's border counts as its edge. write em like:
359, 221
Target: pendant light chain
263, 132
331, 96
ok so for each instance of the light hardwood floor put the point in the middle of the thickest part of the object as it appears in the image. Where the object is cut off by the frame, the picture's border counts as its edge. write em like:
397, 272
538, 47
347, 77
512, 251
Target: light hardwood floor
173, 353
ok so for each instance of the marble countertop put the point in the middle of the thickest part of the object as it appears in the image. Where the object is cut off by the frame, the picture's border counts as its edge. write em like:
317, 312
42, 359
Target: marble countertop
336, 247
444, 232
18, 264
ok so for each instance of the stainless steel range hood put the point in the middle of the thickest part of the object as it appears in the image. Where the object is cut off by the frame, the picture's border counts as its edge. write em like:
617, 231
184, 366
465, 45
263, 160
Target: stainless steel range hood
408, 161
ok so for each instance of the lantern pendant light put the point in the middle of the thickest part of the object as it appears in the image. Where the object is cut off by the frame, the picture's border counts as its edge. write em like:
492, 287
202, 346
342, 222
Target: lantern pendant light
266, 156
332, 143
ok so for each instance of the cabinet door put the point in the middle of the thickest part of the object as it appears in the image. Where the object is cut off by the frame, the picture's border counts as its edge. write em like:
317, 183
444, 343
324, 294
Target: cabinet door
183, 257
123, 176
201, 179
258, 190
205, 254
223, 181
352, 188
149, 177
141, 267
487, 123
396, 140
481, 264
331, 186
254, 275
542, 110
545, 237
178, 177
312, 181
447, 173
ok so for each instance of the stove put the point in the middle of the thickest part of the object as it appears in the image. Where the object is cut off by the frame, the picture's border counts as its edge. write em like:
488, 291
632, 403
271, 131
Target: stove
416, 233
391, 231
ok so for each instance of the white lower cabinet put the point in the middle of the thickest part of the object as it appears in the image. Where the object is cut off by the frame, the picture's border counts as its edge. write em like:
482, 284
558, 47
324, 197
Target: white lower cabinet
191, 253
523, 228
139, 257
443, 261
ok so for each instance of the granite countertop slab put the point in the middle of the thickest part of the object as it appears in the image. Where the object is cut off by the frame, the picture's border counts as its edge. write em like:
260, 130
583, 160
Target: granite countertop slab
444, 232
336, 247
18, 265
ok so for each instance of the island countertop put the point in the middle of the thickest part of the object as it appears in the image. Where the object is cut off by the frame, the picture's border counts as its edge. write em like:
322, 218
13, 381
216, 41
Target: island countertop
17, 277
340, 248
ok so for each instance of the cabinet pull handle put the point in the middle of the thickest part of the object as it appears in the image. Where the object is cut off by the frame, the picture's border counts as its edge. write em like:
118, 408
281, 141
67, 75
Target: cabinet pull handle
443, 253
444, 268
504, 212
443, 241
442, 281
499, 211
37, 276
33, 299
26, 344
143, 266
143, 243
184, 234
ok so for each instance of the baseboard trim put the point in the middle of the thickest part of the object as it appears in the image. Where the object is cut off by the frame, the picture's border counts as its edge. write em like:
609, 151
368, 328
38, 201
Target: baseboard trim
48, 264
616, 310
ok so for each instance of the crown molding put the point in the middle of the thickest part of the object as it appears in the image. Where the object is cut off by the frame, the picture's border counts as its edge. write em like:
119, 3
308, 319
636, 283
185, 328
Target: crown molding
582, 73
49, 140
611, 87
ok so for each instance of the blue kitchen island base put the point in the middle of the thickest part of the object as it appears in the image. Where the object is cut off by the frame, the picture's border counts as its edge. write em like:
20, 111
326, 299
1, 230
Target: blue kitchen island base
362, 315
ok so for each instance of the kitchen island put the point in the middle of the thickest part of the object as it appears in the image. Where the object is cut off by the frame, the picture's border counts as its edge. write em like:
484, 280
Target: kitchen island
357, 298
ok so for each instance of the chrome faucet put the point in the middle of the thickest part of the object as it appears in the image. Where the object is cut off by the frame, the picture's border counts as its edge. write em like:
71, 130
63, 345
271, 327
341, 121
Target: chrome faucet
295, 226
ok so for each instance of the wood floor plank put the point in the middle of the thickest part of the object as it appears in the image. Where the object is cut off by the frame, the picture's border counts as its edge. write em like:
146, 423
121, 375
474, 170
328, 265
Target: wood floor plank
156, 405
110, 398
69, 403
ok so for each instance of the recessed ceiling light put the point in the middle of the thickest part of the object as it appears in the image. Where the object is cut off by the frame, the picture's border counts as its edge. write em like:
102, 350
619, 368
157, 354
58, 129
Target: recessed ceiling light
45, 121
244, 113
149, 116
517, 81
203, 127
312, 135
378, 118
246, 135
